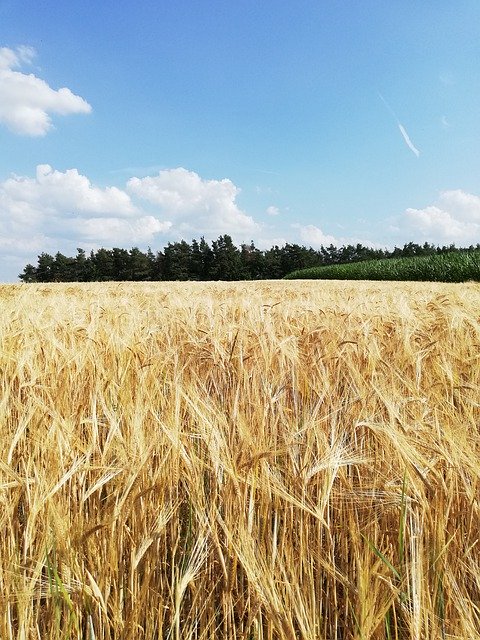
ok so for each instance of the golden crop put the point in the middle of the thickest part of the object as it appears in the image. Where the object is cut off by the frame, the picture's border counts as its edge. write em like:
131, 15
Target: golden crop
254, 461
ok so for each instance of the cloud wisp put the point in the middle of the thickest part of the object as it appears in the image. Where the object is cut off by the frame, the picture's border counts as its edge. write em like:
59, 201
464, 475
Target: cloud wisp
403, 131
272, 210
26, 101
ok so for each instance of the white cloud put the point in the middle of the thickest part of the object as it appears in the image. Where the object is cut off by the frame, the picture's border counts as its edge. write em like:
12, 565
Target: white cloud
60, 210
272, 211
314, 237
465, 206
267, 242
26, 101
54, 191
454, 218
205, 206
117, 231
11, 58
55, 211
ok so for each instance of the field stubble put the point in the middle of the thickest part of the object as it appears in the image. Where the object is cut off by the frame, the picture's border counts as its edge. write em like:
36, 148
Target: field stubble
255, 461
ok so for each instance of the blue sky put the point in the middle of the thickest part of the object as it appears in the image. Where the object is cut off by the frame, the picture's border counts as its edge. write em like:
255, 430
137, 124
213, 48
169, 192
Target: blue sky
134, 124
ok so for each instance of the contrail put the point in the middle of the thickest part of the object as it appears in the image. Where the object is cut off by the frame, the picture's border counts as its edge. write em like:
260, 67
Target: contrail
403, 131
406, 137
388, 106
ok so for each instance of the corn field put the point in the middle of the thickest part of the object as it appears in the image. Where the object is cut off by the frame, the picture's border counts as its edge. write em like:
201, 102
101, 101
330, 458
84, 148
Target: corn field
451, 266
243, 461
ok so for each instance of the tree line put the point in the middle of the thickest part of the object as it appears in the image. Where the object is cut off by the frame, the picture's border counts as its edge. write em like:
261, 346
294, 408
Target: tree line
199, 260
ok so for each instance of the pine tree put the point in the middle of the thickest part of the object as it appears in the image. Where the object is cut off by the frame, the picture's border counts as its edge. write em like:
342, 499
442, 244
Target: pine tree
227, 263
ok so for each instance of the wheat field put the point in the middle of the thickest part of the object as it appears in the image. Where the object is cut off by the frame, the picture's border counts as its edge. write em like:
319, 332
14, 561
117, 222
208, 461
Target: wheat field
245, 461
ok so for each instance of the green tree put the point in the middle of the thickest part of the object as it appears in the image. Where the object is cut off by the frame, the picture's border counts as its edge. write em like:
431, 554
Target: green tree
45, 268
121, 264
156, 261
207, 259
63, 268
104, 266
227, 263
196, 268
273, 263
253, 262
29, 274
177, 258
294, 257
140, 268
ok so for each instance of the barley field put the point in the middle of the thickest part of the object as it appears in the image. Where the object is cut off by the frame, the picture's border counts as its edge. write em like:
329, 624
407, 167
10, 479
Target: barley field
241, 461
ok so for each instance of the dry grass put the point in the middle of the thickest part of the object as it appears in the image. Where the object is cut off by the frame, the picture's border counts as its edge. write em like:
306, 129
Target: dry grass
240, 461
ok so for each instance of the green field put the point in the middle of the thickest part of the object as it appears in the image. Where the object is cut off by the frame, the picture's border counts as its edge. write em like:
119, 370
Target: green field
455, 266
